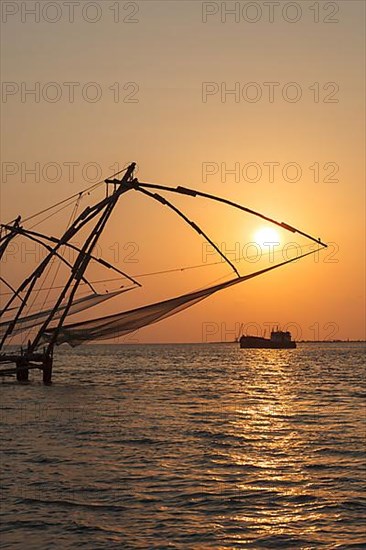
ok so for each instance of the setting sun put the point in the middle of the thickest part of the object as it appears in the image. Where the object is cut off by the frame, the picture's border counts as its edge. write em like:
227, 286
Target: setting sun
266, 235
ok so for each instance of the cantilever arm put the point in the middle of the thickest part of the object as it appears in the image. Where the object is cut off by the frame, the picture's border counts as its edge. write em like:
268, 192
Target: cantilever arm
165, 202
28, 232
11, 288
194, 193
30, 235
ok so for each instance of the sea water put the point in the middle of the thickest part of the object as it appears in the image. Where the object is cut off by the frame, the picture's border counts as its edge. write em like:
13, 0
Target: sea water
187, 446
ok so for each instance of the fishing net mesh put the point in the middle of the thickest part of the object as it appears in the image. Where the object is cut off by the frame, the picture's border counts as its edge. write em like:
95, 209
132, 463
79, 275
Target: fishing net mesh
120, 324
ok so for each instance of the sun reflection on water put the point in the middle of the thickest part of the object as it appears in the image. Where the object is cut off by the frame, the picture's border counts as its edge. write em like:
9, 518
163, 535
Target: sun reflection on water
268, 441
217, 449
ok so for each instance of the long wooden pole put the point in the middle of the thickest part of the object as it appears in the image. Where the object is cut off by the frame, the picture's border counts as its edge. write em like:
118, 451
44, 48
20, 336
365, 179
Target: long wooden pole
81, 263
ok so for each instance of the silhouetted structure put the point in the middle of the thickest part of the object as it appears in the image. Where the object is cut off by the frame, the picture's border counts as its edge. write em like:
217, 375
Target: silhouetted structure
50, 326
278, 340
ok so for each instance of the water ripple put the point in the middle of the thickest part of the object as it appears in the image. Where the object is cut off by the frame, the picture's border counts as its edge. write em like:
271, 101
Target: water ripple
187, 447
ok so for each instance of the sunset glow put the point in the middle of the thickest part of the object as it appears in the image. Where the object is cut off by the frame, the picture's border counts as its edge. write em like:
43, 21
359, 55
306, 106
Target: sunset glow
279, 131
182, 274
267, 236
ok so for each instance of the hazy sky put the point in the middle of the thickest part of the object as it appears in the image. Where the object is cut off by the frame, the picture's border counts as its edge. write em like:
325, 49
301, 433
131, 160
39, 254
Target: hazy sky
273, 91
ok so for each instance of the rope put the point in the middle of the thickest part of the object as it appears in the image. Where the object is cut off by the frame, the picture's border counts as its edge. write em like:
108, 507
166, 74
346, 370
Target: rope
48, 272
83, 192
173, 270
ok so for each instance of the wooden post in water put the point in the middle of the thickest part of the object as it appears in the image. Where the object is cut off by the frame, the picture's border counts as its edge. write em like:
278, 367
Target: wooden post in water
22, 371
47, 370
47, 365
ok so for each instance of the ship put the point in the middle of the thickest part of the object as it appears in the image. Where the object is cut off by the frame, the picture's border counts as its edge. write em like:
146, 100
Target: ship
279, 340
37, 310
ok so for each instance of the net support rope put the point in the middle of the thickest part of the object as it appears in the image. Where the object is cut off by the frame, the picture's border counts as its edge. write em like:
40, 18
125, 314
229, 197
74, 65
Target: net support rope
120, 324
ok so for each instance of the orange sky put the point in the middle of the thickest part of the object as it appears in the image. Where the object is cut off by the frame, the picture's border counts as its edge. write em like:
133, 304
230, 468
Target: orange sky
177, 128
